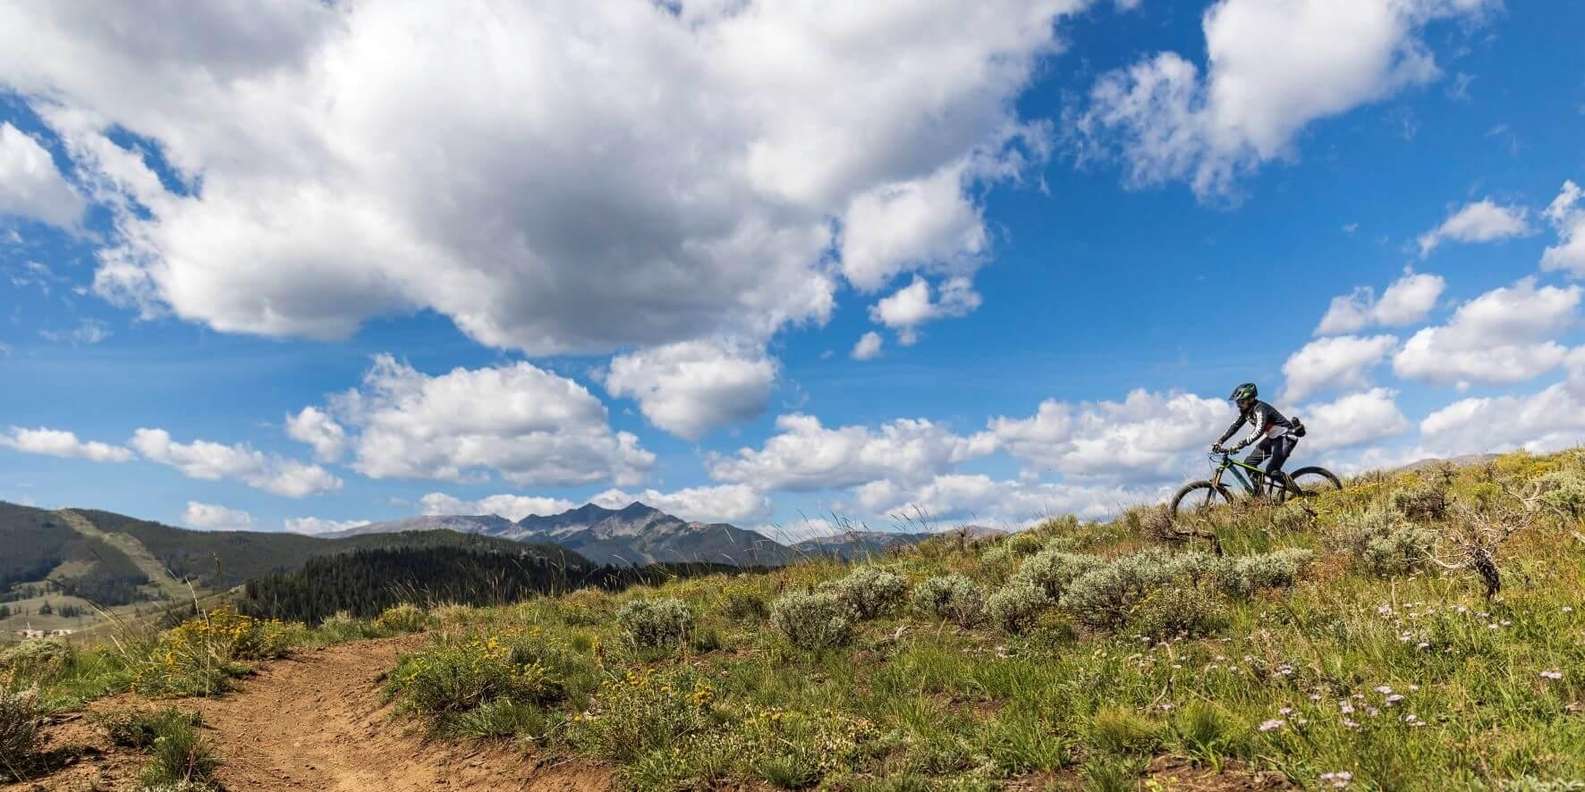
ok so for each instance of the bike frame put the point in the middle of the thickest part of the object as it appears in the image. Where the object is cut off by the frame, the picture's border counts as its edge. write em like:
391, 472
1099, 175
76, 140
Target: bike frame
1230, 465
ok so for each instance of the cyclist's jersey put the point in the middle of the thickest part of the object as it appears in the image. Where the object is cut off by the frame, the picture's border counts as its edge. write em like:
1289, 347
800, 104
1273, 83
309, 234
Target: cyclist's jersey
1265, 422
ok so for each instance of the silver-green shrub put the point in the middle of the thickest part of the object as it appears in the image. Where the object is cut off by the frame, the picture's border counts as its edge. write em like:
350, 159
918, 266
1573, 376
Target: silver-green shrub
1015, 606
21, 724
40, 659
658, 622
952, 597
1053, 570
812, 620
1106, 596
1563, 492
869, 592
1245, 575
1385, 543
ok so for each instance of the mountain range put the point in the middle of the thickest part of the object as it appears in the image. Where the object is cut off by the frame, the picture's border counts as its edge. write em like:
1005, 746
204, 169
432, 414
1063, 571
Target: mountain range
639, 534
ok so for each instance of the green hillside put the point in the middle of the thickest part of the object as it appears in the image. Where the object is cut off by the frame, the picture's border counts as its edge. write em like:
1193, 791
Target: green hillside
224, 559
1417, 630
1344, 642
61, 567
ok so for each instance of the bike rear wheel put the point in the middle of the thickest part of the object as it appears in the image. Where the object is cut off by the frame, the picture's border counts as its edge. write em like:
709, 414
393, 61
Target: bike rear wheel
1198, 497
1310, 482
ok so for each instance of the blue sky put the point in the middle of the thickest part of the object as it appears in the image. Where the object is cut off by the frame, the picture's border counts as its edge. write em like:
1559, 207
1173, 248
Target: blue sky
511, 276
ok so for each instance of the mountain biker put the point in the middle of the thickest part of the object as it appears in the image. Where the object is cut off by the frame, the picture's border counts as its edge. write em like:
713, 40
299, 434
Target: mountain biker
1274, 435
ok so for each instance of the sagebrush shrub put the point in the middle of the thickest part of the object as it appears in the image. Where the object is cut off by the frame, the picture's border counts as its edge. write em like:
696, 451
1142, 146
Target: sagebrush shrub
1178, 612
403, 618
812, 621
1016, 606
952, 597
869, 591
40, 660
1106, 595
1245, 575
1563, 492
21, 736
1385, 543
657, 622
1052, 571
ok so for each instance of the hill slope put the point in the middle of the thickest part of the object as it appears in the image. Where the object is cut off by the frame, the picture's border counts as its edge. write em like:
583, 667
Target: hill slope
634, 535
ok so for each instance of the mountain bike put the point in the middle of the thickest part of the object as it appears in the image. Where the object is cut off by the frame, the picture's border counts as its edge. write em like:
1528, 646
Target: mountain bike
1196, 496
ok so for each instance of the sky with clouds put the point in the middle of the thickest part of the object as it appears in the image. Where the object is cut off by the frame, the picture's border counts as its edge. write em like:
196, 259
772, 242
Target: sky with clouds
301, 265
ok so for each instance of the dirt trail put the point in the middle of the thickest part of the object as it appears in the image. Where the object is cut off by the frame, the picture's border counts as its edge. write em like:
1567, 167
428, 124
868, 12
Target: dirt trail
316, 722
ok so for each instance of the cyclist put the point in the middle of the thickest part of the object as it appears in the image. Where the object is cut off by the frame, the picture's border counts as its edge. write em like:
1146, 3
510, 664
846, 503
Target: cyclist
1274, 435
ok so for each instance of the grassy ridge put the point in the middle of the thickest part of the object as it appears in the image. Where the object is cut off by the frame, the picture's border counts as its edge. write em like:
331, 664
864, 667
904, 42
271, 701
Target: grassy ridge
1417, 630
1331, 647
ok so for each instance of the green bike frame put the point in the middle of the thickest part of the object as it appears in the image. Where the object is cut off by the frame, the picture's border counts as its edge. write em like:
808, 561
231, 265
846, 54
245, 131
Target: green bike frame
1231, 465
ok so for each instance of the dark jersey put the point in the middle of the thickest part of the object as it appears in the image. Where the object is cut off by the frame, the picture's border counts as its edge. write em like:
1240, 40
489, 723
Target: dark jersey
1264, 421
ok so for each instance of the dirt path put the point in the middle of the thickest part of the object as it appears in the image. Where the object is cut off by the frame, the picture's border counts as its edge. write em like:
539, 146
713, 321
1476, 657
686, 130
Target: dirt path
316, 722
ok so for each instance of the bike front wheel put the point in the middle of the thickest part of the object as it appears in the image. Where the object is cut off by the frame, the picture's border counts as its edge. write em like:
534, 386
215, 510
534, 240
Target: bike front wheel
1198, 497
1309, 482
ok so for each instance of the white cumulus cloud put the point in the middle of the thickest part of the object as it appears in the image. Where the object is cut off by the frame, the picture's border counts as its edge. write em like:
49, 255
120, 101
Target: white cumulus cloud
206, 460
692, 387
1274, 66
868, 346
1337, 363
1568, 218
732, 503
1503, 336
316, 526
512, 507
1143, 437
553, 176
30, 185
313, 426
210, 517
61, 443
917, 303
1481, 221
963, 497
805, 455
1406, 301
1549, 420
1353, 420
530, 426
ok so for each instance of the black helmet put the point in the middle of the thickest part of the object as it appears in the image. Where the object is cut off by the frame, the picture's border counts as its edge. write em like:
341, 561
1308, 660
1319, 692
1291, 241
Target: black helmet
1244, 391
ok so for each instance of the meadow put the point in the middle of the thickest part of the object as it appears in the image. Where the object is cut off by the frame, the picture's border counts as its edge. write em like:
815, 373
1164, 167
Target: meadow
1414, 630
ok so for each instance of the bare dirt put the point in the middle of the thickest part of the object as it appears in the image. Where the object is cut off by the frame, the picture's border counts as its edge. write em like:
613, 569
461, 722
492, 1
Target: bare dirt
316, 722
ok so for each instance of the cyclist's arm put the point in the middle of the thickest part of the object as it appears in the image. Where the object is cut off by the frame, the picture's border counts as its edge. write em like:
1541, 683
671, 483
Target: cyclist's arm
1231, 430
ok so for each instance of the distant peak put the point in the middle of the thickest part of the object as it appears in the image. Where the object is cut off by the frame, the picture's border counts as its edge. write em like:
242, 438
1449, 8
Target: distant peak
638, 508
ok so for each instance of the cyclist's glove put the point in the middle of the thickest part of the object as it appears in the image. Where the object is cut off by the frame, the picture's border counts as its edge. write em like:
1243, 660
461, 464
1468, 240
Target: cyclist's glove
1216, 448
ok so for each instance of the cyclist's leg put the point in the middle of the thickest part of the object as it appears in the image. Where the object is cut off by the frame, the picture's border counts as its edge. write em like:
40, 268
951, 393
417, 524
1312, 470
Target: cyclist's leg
1281, 448
1262, 450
